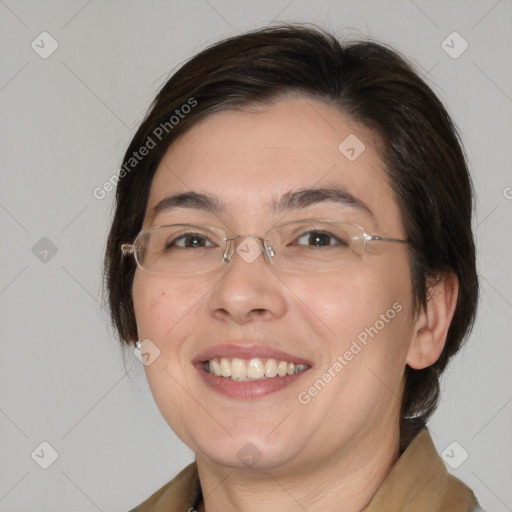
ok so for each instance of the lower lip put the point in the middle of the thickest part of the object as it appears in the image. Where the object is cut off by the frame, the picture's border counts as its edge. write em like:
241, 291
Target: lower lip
246, 389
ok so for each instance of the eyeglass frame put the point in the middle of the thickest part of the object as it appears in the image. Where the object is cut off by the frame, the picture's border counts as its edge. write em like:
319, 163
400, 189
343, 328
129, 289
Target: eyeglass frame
268, 251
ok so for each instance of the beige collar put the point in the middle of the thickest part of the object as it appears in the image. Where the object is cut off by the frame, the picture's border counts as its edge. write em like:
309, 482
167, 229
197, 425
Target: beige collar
419, 482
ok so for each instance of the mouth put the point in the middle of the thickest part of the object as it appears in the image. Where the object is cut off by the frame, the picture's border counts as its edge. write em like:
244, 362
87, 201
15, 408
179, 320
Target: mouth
242, 372
253, 369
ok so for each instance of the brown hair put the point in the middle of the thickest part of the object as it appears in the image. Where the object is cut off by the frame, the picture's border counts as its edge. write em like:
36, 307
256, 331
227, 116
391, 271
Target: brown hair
370, 82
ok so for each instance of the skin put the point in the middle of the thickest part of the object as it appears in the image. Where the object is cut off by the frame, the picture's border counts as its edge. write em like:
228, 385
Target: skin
341, 445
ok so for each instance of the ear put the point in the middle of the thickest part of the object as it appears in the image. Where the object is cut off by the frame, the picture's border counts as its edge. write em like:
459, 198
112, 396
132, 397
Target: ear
432, 323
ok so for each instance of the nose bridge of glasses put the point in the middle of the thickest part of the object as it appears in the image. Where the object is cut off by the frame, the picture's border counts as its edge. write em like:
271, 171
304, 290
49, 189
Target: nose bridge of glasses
249, 248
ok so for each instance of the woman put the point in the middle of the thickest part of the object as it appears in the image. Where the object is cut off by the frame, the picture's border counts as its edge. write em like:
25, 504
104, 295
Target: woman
292, 254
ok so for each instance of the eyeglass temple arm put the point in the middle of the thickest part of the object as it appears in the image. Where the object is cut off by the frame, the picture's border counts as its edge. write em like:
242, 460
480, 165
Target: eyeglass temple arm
377, 238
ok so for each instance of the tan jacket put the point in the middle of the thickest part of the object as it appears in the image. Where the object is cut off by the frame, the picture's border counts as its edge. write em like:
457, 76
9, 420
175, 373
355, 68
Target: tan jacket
419, 482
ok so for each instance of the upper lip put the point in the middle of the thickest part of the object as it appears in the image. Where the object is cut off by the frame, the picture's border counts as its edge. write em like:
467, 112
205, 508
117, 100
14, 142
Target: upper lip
245, 351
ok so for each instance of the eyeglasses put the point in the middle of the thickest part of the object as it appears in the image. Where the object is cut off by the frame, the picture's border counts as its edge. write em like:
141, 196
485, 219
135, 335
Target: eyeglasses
298, 246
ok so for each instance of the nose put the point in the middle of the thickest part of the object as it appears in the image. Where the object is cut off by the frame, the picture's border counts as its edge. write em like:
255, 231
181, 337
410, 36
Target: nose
249, 289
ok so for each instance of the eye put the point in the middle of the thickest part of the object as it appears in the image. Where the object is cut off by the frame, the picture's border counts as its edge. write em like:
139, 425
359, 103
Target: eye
190, 241
317, 238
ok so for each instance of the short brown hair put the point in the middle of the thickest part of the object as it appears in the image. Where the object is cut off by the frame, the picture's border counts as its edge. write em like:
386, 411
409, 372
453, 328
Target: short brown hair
377, 88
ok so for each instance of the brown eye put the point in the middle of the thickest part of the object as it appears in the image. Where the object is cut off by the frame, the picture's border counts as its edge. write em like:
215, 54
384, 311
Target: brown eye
319, 239
189, 240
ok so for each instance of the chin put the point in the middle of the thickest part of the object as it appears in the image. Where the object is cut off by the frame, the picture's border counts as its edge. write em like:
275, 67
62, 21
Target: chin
247, 452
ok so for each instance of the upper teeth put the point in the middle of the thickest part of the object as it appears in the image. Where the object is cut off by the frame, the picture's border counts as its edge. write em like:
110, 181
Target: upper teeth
254, 369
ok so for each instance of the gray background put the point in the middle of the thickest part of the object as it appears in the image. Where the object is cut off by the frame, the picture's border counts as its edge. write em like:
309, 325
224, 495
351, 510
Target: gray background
66, 121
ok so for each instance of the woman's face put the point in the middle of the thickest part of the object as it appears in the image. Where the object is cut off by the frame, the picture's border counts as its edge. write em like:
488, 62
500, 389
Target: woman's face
351, 326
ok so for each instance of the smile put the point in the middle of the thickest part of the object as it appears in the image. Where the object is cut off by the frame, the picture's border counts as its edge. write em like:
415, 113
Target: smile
253, 369
242, 370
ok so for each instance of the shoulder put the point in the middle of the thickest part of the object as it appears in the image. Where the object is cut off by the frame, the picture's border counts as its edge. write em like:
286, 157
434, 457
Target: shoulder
457, 492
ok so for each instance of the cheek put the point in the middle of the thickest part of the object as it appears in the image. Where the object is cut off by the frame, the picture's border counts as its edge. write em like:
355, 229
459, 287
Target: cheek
383, 307
367, 311
166, 313
351, 301
363, 314
163, 306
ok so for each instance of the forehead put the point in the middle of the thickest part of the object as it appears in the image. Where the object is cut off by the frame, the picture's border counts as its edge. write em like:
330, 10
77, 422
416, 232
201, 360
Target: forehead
248, 159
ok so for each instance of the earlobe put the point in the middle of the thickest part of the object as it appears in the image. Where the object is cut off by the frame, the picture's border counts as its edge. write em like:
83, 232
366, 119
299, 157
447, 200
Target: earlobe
432, 324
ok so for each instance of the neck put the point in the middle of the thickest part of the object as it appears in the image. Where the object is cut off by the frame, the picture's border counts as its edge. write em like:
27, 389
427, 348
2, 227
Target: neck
349, 477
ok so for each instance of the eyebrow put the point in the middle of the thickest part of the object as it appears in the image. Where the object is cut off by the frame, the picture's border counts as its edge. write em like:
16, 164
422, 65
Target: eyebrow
302, 198
192, 200
292, 200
